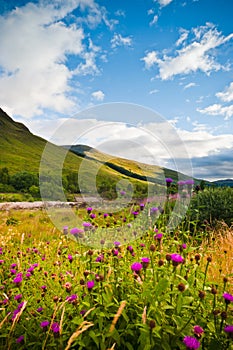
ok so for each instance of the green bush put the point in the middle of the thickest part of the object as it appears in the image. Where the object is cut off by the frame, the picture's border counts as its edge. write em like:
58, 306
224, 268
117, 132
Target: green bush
211, 206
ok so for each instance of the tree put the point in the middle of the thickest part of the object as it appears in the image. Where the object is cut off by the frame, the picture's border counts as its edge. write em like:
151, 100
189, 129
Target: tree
4, 176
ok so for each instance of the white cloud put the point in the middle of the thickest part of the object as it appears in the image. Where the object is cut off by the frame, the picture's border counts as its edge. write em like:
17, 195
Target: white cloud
197, 55
119, 40
189, 85
153, 91
218, 109
150, 59
154, 20
98, 95
163, 3
184, 35
150, 12
35, 43
227, 94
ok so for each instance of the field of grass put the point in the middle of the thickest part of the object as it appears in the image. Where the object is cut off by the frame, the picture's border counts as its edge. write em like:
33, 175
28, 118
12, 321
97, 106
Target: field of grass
118, 280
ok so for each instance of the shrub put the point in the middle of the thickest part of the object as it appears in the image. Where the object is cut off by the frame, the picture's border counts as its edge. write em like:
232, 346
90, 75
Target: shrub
212, 205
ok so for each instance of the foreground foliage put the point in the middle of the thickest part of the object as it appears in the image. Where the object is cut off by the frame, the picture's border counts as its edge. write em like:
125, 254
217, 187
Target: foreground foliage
152, 293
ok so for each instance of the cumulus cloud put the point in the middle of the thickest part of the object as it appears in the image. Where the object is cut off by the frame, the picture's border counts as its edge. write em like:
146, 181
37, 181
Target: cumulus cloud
119, 40
218, 109
197, 55
227, 94
163, 3
35, 45
98, 95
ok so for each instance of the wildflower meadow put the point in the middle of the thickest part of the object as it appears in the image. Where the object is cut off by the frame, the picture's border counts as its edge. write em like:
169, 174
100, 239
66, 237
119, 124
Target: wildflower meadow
120, 280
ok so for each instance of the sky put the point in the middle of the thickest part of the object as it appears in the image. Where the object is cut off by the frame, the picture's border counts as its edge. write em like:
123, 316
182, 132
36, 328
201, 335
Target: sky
149, 80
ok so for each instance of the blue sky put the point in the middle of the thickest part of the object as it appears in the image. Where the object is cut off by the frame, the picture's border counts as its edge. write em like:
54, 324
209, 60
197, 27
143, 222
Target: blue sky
170, 56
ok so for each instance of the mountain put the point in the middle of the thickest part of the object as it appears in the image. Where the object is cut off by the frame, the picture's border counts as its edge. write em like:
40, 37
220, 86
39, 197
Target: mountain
20, 150
223, 183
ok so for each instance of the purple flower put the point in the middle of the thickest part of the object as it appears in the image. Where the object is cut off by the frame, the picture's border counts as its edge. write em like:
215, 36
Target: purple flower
184, 246
28, 274
20, 339
31, 269
90, 285
65, 230
2, 262
89, 209
115, 252
116, 243
228, 329
87, 225
158, 236
70, 258
18, 297
18, 279
13, 271
169, 180
153, 210
228, 297
191, 343
198, 330
55, 327
13, 265
44, 288
72, 298
130, 249
122, 193
145, 262
135, 213
100, 258
105, 215
40, 309
44, 324
176, 259
189, 182
137, 266
92, 216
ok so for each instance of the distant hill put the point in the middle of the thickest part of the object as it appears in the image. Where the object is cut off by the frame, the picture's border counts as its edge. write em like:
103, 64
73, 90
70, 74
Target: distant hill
20, 150
223, 183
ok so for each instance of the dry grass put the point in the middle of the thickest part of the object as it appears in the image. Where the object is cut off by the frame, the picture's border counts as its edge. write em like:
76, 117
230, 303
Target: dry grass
220, 247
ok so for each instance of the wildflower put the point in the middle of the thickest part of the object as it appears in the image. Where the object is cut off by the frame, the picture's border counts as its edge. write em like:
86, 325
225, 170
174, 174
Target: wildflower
100, 258
189, 182
28, 274
228, 329
18, 297
70, 258
181, 287
145, 262
116, 243
137, 266
44, 325
152, 248
191, 343
65, 230
13, 265
20, 339
130, 248
123, 193
153, 210
158, 236
55, 327
68, 286
115, 252
72, 298
105, 215
18, 279
228, 298
152, 324
90, 285
89, 209
87, 225
176, 259
2, 262
135, 213
44, 288
198, 330
40, 309
168, 181
13, 271
142, 206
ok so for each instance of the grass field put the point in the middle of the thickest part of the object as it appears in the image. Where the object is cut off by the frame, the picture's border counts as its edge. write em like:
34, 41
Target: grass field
153, 289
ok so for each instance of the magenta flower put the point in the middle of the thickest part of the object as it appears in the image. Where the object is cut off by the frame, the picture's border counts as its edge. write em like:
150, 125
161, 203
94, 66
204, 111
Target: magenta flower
228, 297
100, 258
89, 209
40, 309
13, 265
191, 343
189, 182
130, 248
13, 271
176, 259
145, 262
55, 327
92, 216
70, 258
2, 262
18, 297
116, 243
198, 330
20, 339
18, 279
72, 298
137, 266
90, 285
115, 252
123, 193
158, 236
228, 329
44, 324
87, 225
169, 180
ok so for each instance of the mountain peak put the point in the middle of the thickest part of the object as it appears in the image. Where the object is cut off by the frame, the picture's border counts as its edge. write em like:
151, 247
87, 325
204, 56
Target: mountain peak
8, 123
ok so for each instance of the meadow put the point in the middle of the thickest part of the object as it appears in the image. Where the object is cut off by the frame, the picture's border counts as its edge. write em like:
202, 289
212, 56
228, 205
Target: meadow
141, 286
